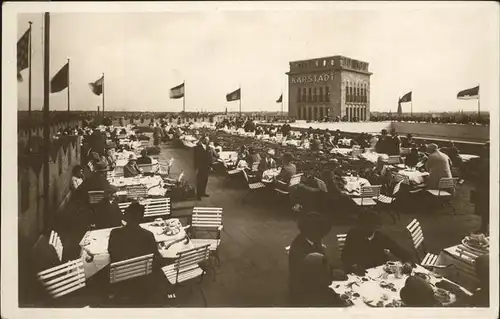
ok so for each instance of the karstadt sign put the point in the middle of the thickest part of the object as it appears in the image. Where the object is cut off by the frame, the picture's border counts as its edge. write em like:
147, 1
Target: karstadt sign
316, 78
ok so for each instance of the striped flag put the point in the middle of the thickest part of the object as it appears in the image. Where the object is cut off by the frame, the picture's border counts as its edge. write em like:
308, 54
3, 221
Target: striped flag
469, 94
280, 99
177, 92
23, 54
234, 96
96, 87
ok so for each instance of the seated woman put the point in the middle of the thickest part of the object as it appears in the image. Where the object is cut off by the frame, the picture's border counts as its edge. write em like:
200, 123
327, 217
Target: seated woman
243, 154
131, 169
412, 159
76, 178
315, 279
144, 159
380, 175
367, 247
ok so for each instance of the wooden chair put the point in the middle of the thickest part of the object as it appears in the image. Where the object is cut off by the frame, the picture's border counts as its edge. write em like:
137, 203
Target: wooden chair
91, 167
417, 237
95, 196
368, 196
187, 267
295, 180
144, 143
63, 279
207, 221
164, 168
136, 191
341, 238
55, 241
393, 160
445, 191
253, 186
130, 268
148, 168
156, 207
389, 201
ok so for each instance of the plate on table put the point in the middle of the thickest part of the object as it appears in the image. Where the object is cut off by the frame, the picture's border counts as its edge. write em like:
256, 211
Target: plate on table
477, 243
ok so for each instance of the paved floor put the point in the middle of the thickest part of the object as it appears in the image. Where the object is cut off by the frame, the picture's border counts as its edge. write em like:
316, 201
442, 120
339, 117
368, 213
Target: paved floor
254, 266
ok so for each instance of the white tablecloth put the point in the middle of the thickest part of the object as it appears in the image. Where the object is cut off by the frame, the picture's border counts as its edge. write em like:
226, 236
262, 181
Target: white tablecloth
353, 184
342, 151
95, 243
153, 183
370, 156
468, 157
270, 174
416, 177
371, 291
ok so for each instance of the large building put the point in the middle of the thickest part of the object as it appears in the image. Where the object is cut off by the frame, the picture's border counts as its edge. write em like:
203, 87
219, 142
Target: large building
335, 87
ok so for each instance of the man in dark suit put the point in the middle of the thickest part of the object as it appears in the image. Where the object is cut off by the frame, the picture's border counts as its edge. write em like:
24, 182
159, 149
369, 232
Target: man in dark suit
202, 163
107, 213
313, 227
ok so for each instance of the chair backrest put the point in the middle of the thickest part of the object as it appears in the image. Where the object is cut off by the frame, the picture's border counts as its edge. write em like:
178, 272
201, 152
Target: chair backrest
90, 165
397, 187
136, 191
448, 183
146, 168
341, 241
130, 268
405, 150
63, 279
321, 185
370, 191
157, 207
189, 259
417, 236
395, 159
144, 143
95, 196
207, 217
124, 206
402, 178
55, 241
295, 180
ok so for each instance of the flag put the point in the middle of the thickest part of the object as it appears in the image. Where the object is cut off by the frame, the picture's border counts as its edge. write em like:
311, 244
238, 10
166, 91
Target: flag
405, 98
60, 81
280, 99
233, 96
469, 94
177, 92
23, 54
96, 87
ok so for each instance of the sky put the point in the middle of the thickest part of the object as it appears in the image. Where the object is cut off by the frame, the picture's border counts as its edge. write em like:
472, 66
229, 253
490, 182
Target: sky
433, 51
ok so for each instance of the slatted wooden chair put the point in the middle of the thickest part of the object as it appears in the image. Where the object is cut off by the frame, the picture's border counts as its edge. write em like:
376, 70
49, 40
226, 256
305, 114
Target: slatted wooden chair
55, 241
164, 168
157, 207
124, 205
136, 191
393, 160
253, 186
341, 238
144, 143
95, 196
148, 168
389, 202
295, 180
207, 222
445, 191
187, 267
130, 268
417, 237
368, 196
63, 279
91, 167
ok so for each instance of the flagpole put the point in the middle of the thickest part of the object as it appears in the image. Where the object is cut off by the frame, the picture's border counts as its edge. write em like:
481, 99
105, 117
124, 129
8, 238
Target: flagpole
29, 86
184, 97
240, 99
411, 107
68, 93
103, 95
281, 104
46, 119
478, 103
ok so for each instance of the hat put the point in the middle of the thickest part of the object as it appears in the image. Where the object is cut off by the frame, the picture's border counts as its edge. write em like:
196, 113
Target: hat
417, 293
134, 213
431, 148
132, 157
271, 152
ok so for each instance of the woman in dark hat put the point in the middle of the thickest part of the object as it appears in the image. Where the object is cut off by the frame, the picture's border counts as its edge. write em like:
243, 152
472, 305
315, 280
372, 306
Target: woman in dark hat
418, 293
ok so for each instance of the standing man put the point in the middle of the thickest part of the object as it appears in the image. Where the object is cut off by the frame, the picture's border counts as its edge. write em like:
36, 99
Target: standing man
202, 163
438, 165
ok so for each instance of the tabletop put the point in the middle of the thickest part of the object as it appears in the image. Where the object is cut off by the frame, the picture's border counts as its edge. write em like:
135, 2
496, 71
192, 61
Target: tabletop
353, 184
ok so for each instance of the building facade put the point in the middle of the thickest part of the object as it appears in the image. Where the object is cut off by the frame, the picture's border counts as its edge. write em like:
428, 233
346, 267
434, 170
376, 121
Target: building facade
336, 88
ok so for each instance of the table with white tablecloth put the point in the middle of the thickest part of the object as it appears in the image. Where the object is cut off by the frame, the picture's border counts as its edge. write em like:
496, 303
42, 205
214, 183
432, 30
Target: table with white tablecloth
154, 184
379, 289
353, 185
94, 244
415, 177
268, 176
341, 151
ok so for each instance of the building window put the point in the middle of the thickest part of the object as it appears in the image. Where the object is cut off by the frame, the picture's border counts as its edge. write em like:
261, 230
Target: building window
321, 113
357, 93
320, 97
349, 96
299, 96
304, 95
309, 95
327, 94
315, 95
332, 62
309, 115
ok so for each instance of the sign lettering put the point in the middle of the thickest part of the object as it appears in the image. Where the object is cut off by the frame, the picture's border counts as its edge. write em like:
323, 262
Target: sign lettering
304, 79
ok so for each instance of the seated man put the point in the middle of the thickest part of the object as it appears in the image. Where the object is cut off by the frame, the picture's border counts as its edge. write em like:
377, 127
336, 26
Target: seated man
418, 293
144, 159
366, 247
267, 162
132, 241
131, 169
288, 169
313, 227
107, 213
